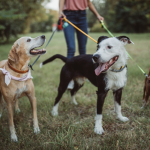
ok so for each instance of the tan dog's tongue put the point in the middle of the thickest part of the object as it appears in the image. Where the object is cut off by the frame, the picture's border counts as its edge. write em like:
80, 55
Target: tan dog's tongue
100, 68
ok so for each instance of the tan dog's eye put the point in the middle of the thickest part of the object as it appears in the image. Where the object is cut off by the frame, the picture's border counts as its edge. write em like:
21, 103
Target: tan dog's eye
28, 40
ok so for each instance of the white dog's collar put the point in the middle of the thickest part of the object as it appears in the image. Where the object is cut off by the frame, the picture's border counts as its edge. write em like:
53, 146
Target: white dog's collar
120, 69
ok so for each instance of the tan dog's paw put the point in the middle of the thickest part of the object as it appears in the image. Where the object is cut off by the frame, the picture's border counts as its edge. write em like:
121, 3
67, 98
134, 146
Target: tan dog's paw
14, 138
37, 130
18, 111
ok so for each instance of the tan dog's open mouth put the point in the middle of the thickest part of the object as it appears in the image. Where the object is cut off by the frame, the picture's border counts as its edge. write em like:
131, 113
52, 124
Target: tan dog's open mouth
105, 66
37, 51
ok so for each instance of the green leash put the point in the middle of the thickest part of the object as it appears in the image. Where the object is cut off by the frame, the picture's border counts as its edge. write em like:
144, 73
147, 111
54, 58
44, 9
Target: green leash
103, 25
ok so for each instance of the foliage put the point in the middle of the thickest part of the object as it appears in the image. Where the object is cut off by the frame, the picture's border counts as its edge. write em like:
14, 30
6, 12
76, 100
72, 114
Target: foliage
16, 16
97, 28
130, 16
43, 26
123, 15
100, 7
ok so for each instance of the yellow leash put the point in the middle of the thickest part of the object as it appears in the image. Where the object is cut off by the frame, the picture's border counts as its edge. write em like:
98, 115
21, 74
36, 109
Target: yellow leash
79, 29
102, 23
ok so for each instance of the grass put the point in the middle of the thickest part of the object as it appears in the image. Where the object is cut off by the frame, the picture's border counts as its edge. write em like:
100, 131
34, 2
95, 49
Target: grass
73, 129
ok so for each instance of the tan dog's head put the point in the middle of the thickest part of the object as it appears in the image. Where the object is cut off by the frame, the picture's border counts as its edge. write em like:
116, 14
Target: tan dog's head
24, 48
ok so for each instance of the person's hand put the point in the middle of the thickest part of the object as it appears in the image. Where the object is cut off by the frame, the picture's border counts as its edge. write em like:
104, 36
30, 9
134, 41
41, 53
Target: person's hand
100, 18
61, 14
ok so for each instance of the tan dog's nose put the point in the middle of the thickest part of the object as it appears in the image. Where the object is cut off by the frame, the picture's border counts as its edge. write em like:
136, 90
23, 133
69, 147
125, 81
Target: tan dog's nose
43, 36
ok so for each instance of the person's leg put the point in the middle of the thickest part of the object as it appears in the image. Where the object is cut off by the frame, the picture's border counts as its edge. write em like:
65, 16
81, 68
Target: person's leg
82, 39
69, 33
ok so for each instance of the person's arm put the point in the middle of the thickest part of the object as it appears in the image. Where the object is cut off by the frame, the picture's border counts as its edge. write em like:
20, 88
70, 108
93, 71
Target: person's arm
61, 6
92, 8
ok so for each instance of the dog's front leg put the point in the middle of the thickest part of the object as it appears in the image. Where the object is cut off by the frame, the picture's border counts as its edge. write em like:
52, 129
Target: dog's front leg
98, 118
17, 107
10, 106
117, 102
34, 110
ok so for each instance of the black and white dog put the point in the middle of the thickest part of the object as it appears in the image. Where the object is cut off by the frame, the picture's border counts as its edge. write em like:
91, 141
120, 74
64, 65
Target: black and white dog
106, 69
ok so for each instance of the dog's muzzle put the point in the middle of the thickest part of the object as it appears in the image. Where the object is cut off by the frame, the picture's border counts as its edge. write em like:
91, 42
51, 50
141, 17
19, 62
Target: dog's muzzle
96, 57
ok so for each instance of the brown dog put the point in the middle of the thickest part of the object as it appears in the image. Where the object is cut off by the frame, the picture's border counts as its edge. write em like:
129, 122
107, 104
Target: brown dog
146, 91
16, 80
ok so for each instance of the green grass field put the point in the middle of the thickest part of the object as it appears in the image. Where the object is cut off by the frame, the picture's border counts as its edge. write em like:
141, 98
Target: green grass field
73, 129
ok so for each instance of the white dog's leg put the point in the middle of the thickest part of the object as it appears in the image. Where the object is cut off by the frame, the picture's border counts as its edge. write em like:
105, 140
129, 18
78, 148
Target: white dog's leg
54, 111
98, 124
73, 100
119, 114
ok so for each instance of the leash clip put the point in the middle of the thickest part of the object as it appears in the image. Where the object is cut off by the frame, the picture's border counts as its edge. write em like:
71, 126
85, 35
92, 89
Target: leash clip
31, 67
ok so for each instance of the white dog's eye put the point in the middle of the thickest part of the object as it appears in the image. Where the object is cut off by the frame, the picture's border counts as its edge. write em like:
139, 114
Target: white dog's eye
109, 47
28, 40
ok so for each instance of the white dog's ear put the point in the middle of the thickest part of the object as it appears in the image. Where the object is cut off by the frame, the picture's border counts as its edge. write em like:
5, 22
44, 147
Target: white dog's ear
125, 40
101, 38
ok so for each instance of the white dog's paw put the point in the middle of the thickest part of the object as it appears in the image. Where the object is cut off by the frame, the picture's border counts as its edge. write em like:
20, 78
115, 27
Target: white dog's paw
74, 102
54, 113
18, 111
14, 138
36, 130
98, 130
41, 64
124, 119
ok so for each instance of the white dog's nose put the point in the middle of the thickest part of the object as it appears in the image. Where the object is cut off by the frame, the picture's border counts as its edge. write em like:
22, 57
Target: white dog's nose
96, 57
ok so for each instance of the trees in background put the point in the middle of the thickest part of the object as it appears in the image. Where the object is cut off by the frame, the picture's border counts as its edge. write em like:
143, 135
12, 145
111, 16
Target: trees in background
124, 15
17, 16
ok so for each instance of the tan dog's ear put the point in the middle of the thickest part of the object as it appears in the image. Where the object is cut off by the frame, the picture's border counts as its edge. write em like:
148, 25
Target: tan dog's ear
13, 56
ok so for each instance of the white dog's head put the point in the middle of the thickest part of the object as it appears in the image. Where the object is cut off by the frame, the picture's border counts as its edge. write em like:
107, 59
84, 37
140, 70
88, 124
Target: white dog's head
111, 53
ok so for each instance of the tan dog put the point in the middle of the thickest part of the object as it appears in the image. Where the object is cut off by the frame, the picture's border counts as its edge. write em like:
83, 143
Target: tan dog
17, 65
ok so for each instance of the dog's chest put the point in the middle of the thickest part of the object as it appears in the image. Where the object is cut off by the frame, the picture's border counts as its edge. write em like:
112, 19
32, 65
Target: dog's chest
116, 80
20, 91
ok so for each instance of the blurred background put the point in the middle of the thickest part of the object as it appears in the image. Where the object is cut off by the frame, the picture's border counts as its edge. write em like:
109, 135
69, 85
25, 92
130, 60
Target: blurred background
29, 16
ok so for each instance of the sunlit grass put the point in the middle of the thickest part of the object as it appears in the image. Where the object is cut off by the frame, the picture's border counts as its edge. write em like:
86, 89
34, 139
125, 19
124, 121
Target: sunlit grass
74, 127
